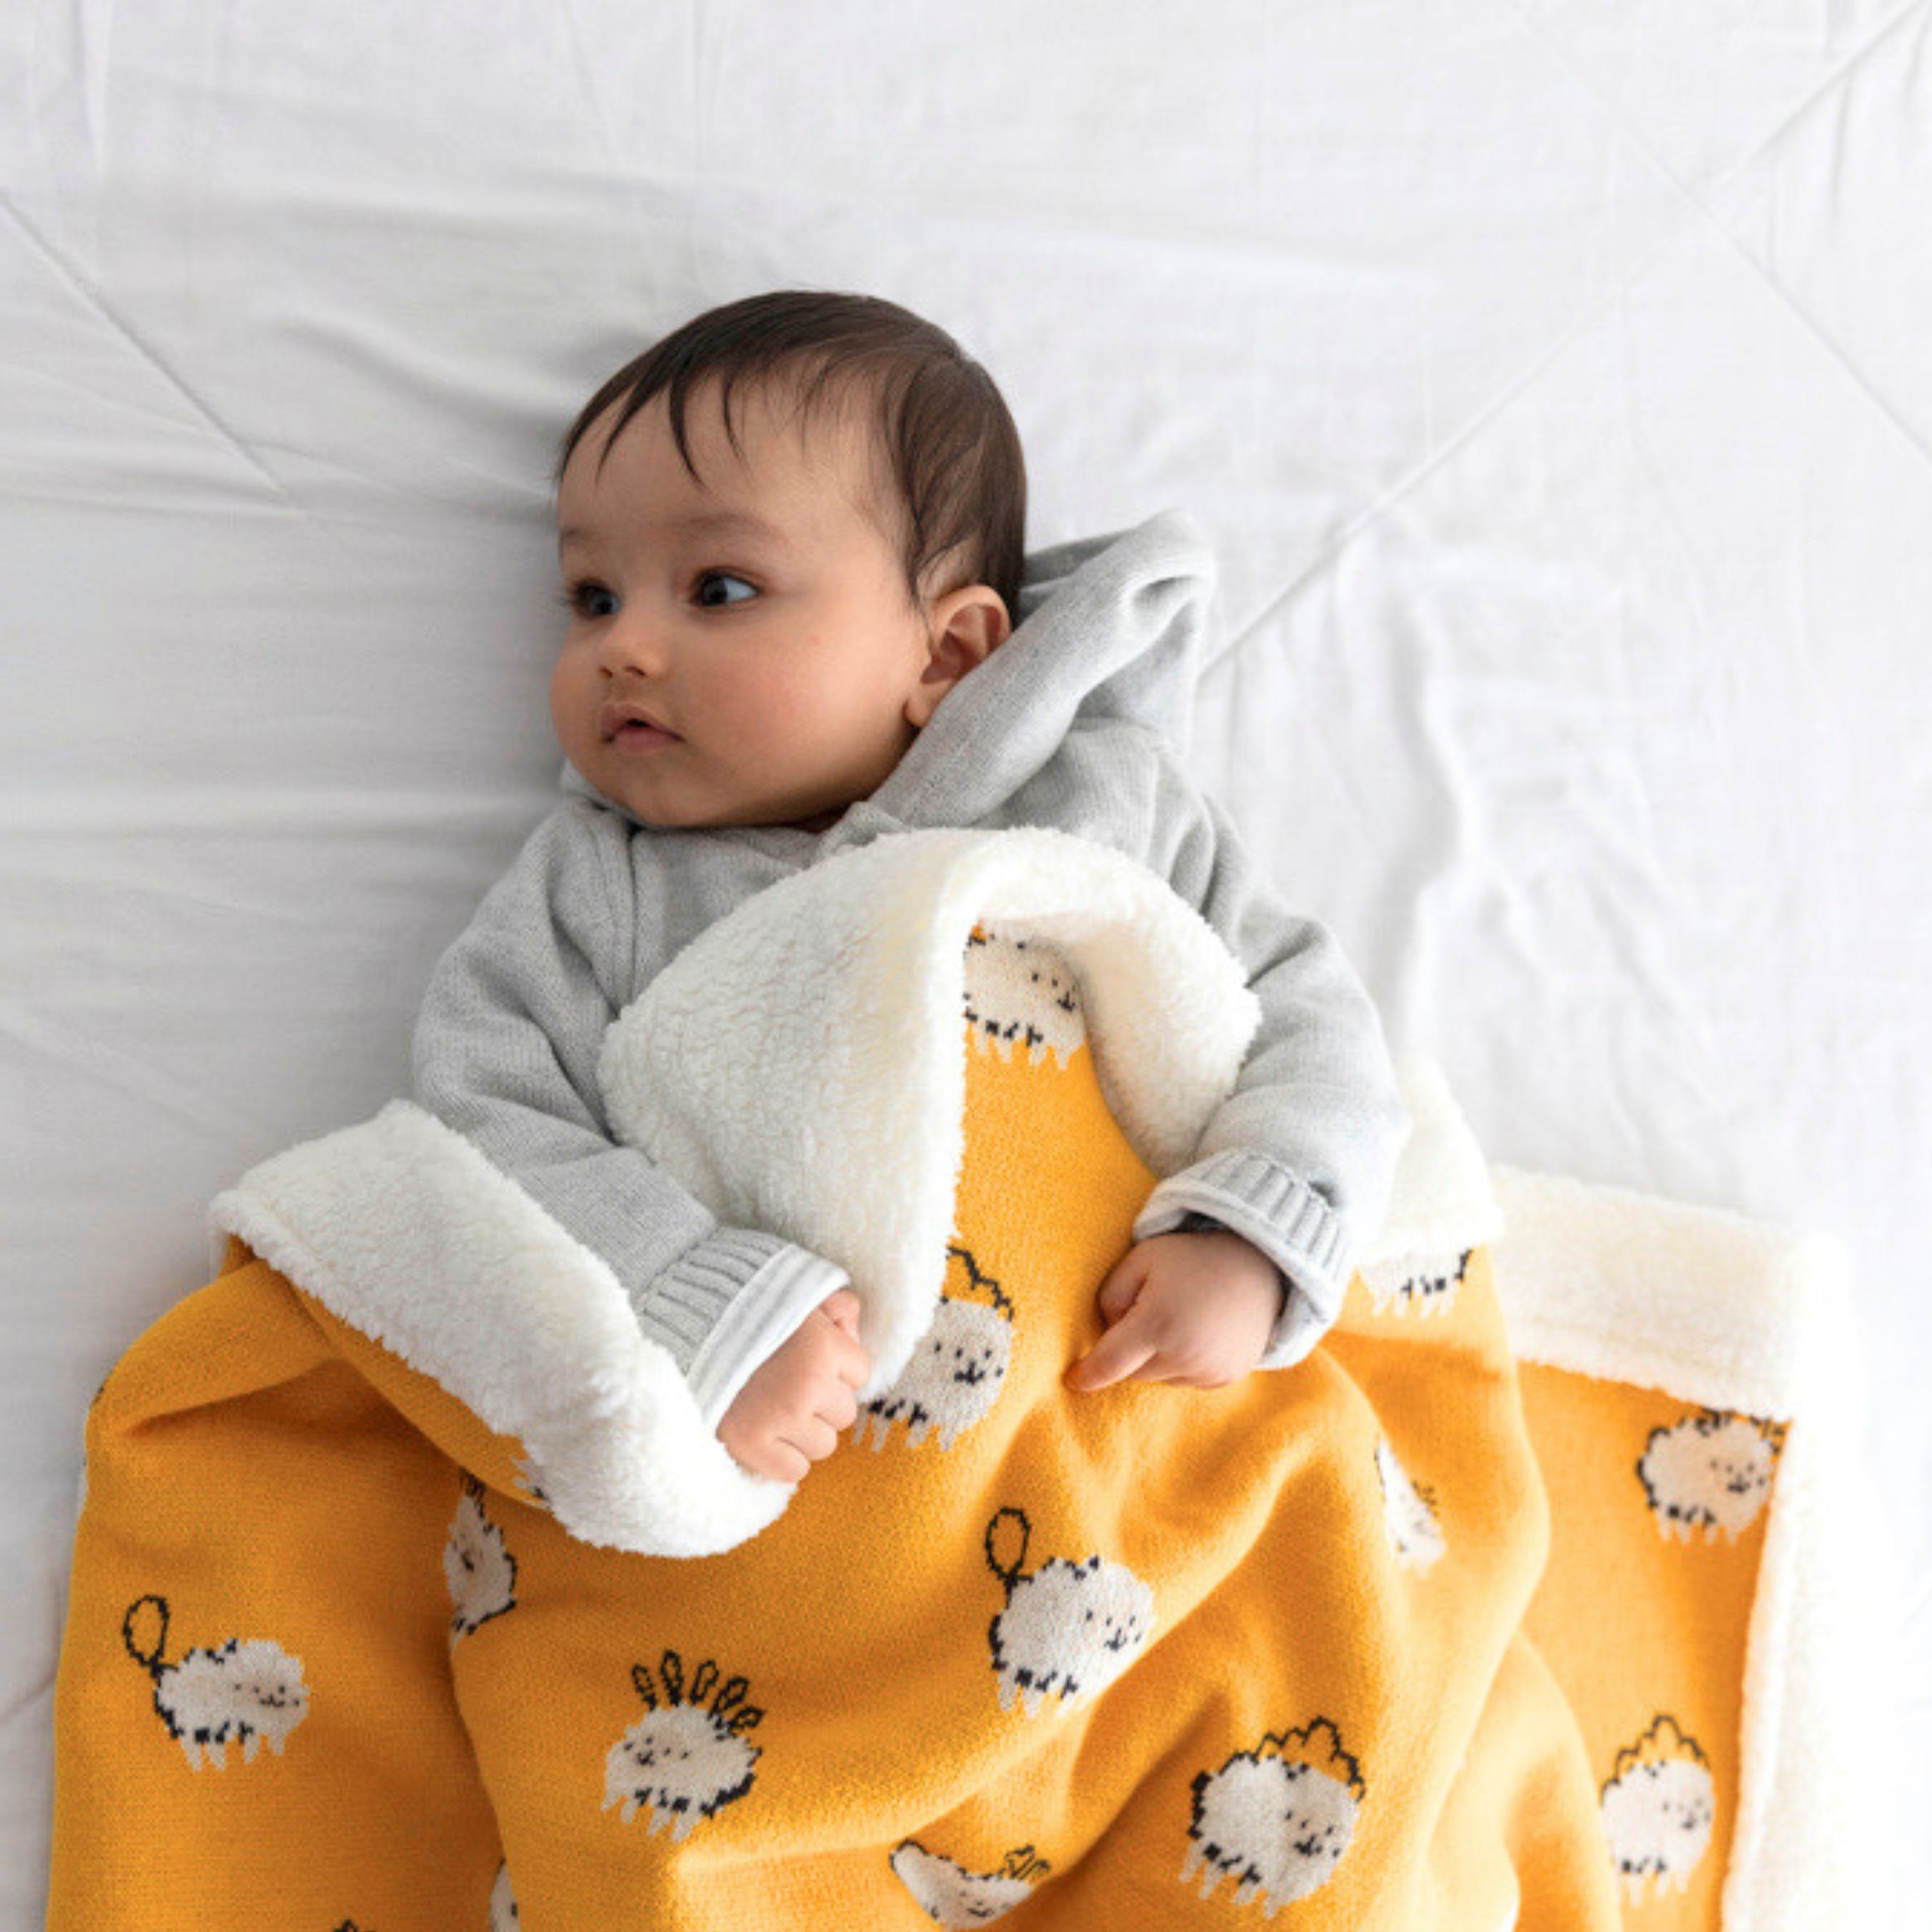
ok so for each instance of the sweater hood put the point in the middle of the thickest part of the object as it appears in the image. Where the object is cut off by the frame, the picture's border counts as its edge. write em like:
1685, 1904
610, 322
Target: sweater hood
1108, 631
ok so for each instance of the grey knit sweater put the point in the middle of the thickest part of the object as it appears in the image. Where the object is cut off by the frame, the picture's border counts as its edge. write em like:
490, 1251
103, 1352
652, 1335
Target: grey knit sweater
1071, 723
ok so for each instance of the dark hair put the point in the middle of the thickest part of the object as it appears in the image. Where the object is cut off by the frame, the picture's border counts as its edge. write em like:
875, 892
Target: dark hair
937, 419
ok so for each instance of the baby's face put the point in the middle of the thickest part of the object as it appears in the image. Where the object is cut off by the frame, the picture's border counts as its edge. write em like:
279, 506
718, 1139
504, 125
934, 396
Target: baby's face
742, 649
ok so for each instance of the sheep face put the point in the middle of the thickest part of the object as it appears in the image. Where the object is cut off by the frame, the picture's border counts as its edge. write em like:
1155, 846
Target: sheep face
686, 1758
481, 1574
958, 1899
953, 1379
242, 1693
1415, 1284
1657, 1809
1709, 1473
1070, 1628
1276, 1825
681, 1764
1020, 994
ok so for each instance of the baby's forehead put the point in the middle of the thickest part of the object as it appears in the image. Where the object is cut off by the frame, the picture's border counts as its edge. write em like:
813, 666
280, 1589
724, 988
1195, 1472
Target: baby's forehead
776, 434
779, 416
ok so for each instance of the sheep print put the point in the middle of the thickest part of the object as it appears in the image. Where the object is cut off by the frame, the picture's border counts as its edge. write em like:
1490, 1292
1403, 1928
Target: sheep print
407, 1598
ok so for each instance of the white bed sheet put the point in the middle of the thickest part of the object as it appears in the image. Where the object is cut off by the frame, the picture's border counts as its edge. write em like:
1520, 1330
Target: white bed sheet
1551, 377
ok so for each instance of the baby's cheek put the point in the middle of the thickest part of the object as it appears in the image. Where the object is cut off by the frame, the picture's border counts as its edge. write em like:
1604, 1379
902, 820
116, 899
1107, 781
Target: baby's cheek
764, 696
568, 705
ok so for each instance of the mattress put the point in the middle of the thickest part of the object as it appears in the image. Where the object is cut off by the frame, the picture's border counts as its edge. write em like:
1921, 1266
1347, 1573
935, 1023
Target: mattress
1549, 378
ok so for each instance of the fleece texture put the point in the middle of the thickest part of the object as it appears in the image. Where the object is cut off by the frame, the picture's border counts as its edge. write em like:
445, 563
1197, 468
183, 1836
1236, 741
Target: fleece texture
411, 1591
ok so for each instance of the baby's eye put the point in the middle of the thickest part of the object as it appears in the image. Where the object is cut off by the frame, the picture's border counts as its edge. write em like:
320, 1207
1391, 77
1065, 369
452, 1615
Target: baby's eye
589, 600
719, 587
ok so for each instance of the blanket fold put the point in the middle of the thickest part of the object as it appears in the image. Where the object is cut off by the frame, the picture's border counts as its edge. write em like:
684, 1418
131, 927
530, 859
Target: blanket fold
412, 1590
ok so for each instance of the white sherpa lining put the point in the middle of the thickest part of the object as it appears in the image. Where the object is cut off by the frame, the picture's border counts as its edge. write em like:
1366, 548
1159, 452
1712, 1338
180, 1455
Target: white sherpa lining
1704, 1305
805, 1074
800, 1066
403, 1229
801, 1069
1441, 1201
1731, 1314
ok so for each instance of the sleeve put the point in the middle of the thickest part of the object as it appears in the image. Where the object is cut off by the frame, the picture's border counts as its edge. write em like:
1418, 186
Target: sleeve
505, 1053
1299, 1160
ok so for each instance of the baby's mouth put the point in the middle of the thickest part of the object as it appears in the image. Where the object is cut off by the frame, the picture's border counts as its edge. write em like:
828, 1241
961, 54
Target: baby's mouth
632, 729
638, 734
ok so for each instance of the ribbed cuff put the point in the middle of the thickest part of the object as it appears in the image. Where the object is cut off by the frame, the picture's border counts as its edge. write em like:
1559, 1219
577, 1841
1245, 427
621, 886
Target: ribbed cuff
728, 1304
1272, 1210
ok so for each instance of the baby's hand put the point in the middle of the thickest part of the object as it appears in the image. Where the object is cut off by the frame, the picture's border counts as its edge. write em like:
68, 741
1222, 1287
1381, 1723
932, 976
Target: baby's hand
791, 1411
1193, 1309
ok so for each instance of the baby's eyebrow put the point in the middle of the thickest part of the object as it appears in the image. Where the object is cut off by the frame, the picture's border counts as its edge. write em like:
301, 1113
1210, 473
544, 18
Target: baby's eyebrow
700, 524
724, 523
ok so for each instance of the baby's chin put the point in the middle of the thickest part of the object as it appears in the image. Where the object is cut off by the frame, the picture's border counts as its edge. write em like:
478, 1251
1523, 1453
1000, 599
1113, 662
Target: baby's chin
813, 815
816, 817
749, 817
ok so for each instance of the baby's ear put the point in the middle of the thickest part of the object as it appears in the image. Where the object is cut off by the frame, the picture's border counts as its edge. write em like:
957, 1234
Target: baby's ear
963, 629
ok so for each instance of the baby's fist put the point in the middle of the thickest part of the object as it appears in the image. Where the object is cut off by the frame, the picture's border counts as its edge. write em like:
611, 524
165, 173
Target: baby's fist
799, 1401
1197, 1310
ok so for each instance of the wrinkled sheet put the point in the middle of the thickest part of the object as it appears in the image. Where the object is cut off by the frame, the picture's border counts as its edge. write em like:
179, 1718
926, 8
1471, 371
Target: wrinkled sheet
1550, 377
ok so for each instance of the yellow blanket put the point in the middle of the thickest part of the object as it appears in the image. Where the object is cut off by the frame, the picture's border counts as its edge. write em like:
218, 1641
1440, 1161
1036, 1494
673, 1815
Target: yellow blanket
409, 1594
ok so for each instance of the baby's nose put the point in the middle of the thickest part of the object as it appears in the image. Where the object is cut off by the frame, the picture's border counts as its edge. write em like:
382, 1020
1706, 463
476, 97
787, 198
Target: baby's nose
631, 643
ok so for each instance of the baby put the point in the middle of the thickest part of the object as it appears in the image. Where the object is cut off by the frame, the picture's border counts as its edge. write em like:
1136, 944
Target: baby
791, 540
